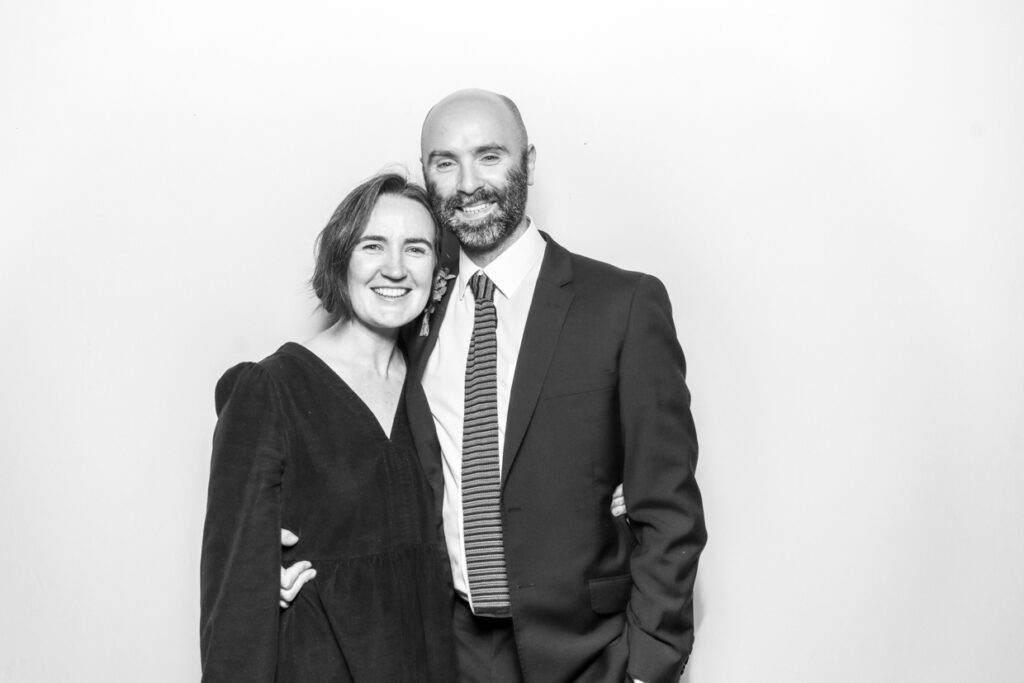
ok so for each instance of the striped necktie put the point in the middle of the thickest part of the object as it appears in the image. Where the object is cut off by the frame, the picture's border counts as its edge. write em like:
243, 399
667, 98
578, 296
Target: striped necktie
481, 475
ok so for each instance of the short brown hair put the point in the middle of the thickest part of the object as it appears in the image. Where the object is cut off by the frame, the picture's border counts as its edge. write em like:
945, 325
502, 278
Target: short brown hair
336, 241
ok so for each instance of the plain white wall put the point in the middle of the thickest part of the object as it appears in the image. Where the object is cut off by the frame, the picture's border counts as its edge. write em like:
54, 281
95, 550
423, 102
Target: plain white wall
832, 192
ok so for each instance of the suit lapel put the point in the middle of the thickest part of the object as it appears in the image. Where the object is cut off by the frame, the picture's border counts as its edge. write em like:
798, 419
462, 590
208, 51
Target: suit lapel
421, 420
420, 347
551, 300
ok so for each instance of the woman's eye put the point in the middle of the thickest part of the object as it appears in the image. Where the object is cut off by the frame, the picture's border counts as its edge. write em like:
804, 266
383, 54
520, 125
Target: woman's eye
372, 246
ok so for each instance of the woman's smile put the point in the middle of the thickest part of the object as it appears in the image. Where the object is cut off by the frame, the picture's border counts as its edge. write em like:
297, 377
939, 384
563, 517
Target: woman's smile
391, 293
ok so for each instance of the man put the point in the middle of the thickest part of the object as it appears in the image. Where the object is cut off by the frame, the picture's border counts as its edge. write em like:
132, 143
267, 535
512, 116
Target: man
584, 389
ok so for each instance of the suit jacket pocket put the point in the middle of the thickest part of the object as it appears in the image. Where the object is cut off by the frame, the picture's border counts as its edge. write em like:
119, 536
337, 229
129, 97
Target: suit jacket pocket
581, 385
611, 594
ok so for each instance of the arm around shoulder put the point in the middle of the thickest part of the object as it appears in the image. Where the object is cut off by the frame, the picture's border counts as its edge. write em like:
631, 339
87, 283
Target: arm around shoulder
664, 502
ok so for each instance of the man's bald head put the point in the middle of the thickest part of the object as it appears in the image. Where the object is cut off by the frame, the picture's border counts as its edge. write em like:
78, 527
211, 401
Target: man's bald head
481, 103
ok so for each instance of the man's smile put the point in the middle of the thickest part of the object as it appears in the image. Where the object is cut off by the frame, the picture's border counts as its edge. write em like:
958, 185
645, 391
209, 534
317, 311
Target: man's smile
477, 210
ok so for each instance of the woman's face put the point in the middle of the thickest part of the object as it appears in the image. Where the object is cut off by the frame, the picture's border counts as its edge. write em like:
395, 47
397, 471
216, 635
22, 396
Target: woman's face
391, 269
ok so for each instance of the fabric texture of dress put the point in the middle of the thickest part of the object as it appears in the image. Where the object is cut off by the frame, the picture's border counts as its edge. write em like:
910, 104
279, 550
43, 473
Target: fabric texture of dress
295, 447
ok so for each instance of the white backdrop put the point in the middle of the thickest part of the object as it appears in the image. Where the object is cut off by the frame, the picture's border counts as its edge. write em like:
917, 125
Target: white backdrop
833, 193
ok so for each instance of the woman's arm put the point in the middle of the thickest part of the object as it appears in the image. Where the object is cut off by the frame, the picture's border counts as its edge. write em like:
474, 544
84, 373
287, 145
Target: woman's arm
241, 539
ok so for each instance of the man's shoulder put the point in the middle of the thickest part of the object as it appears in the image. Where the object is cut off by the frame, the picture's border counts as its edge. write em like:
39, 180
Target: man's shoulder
587, 267
590, 273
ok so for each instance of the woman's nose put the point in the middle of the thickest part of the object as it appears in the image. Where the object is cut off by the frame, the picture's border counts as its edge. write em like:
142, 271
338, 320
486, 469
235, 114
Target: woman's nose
393, 267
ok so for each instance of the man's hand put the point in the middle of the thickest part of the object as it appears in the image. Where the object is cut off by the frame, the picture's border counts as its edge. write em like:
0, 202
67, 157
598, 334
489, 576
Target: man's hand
618, 502
293, 578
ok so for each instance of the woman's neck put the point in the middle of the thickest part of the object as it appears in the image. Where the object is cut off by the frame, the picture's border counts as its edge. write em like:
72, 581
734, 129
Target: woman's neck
349, 343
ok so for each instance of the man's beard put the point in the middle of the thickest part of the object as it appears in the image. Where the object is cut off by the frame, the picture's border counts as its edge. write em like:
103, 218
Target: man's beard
507, 215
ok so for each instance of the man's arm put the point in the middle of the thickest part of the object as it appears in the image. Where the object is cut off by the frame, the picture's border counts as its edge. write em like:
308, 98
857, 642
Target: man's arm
294, 577
665, 508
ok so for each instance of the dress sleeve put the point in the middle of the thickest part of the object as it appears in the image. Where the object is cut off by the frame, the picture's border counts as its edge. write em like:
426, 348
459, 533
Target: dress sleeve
660, 489
241, 555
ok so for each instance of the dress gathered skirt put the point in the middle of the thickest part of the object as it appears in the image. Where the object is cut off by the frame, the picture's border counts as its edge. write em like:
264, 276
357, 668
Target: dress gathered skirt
296, 448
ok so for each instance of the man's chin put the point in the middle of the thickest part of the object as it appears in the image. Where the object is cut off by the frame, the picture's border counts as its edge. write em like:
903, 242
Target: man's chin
478, 238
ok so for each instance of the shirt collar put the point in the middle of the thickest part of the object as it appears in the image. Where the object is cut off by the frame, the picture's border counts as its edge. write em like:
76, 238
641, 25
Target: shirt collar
510, 268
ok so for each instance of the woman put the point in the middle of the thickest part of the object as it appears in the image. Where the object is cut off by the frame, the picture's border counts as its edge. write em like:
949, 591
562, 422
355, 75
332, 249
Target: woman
315, 438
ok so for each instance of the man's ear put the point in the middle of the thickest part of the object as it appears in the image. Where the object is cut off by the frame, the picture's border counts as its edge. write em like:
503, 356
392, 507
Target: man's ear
531, 160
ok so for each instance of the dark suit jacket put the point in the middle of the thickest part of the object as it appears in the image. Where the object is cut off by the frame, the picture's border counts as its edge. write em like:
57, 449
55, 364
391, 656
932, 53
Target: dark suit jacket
598, 398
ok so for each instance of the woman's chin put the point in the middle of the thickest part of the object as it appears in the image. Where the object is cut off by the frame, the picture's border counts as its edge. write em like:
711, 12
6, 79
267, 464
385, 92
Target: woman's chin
390, 323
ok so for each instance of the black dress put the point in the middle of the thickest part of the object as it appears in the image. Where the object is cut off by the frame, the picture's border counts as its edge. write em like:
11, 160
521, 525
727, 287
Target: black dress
295, 447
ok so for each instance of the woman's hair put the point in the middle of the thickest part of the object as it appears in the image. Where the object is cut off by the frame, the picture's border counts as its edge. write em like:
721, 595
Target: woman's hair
336, 241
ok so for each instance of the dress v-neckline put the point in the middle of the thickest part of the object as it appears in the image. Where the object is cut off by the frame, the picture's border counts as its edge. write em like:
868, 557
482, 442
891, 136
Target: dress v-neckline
333, 379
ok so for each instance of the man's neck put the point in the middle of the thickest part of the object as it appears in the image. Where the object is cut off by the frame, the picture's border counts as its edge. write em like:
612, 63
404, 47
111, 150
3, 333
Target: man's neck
482, 259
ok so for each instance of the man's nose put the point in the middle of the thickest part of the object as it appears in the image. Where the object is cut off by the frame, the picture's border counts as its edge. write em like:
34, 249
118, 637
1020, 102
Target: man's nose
469, 181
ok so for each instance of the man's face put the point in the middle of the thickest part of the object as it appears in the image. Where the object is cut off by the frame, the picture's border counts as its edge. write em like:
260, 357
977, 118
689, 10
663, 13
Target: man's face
486, 217
477, 172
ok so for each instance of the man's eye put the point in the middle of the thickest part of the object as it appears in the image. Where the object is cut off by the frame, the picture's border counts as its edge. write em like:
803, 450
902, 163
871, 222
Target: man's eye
443, 165
490, 158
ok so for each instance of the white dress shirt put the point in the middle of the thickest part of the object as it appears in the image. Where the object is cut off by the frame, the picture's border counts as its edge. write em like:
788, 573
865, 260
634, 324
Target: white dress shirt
514, 274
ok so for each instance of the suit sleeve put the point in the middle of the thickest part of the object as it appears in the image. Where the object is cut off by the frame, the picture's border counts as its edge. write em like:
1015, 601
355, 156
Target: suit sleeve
241, 555
661, 493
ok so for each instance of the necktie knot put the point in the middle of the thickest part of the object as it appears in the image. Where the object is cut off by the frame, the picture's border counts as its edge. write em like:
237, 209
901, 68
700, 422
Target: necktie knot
483, 288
